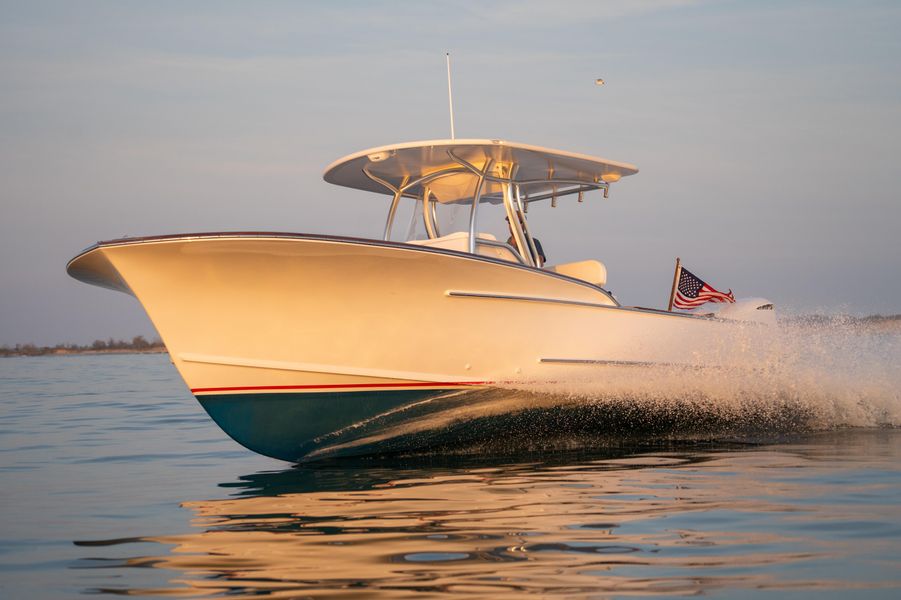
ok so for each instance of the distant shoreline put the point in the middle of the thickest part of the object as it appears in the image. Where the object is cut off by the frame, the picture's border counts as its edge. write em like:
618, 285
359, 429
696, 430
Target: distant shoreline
12, 353
137, 345
873, 323
161, 350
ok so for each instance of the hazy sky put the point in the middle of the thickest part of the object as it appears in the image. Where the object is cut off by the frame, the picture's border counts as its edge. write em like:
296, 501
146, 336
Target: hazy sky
767, 134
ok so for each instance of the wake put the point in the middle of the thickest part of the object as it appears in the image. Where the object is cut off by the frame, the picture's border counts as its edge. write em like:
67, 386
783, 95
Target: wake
810, 374
805, 376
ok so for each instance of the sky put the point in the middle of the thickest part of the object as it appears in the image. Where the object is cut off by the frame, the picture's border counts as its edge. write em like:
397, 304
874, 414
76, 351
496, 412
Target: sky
766, 134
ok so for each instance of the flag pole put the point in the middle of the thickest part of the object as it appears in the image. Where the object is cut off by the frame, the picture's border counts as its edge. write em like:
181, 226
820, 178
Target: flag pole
672, 293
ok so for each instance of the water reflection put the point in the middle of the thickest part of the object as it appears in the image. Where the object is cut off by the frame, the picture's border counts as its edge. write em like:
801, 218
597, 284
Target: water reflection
659, 521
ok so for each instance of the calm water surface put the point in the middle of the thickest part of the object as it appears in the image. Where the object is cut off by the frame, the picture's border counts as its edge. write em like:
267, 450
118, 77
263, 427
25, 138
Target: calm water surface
114, 481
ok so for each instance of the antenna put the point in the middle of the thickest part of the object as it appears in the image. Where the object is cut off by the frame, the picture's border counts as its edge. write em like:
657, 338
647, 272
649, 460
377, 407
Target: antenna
450, 96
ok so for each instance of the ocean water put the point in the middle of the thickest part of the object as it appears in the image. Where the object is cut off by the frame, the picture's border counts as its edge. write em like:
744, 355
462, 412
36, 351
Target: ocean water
782, 482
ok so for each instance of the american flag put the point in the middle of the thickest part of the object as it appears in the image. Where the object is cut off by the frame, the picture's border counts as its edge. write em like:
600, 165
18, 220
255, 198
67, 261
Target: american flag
692, 292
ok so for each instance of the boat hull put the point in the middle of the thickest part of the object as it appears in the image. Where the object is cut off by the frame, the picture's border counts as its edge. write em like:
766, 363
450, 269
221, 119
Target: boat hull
303, 346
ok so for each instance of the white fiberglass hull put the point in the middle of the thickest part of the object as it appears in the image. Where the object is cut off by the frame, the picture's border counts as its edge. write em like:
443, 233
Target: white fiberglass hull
301, 345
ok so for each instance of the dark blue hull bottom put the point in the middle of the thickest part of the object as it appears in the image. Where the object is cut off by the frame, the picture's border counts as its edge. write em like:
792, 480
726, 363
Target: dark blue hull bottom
292, 426
299, 427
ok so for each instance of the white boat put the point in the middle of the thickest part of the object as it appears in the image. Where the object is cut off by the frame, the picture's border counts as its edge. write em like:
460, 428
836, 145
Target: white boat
303, 345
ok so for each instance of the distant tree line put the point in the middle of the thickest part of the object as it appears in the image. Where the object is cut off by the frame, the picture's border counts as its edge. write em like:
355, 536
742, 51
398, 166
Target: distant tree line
841, 319
137, 344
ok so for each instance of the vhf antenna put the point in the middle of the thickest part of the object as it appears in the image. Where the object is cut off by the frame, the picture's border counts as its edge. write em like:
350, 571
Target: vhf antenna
450, 96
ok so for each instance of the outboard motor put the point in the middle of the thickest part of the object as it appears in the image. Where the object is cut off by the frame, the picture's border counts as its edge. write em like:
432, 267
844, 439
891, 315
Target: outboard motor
757, 310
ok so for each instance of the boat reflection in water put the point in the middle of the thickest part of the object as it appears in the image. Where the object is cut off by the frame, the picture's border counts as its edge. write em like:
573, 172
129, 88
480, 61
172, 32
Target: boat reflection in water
662, 521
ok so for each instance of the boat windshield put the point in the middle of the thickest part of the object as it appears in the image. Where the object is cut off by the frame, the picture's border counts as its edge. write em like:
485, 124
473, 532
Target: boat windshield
491, 220
499, 223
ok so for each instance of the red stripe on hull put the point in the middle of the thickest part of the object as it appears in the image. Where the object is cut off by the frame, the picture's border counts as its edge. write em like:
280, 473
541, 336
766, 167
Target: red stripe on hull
337, 386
